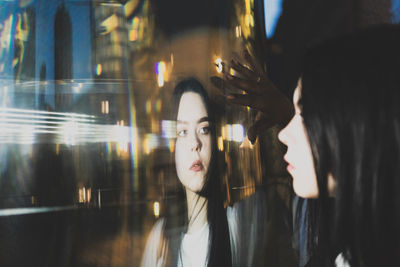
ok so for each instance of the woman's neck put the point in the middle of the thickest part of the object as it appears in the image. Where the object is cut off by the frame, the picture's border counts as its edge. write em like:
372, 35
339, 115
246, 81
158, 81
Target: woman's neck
197, 211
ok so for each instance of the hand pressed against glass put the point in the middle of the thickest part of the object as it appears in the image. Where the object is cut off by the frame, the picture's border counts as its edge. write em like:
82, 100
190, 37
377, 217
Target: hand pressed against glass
193, 145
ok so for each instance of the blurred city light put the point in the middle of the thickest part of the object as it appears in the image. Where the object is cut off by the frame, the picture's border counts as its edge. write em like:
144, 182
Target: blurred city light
148, 106
69, 131
150, 142
158, 105
220, 143
27, 126
233, 132
109, 24
171, 145
84, 195
98, 69
218, 63
104, 107
156, 208
168, 128
238, 31
238, 132
162, 74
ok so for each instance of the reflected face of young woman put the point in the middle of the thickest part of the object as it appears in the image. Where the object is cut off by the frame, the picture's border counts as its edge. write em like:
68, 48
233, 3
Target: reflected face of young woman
299, 156
193, 144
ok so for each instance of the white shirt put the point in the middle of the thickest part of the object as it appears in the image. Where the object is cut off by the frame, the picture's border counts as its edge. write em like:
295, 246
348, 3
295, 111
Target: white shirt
341, 262
194, 248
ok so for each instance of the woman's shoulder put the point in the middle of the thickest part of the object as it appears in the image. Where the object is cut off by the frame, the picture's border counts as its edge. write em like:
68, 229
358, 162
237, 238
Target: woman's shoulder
247, 220
254, 204
157, 232
154, 251
158, 225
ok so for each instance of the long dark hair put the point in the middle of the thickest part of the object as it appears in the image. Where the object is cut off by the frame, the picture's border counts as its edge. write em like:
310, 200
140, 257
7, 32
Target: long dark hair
350, 103
219, 249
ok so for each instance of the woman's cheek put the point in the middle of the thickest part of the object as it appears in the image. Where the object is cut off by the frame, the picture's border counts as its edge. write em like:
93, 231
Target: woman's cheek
182, 157
178, 157
206, 151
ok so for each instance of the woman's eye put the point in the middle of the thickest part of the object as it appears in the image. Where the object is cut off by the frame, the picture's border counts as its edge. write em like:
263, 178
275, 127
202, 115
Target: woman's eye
182, 133
204, 130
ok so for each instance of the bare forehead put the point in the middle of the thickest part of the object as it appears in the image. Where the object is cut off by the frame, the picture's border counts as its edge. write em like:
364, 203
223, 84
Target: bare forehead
191, 107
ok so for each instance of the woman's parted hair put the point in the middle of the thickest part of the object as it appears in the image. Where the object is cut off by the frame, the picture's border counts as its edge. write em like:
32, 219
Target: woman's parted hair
350, 103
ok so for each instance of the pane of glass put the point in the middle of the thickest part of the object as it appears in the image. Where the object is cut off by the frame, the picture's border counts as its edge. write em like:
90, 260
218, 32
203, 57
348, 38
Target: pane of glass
87, 140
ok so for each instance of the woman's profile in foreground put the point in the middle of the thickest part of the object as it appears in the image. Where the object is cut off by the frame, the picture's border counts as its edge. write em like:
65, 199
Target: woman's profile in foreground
344, 148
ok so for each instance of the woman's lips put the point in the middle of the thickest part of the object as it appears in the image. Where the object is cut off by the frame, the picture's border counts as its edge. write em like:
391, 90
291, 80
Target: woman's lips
289, 167
196, 166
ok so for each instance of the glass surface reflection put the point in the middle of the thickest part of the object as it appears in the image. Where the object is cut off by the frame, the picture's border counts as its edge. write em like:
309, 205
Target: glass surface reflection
86, 149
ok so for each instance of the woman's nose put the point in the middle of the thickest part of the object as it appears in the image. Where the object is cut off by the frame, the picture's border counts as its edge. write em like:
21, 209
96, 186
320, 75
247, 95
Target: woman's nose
282, 136
285, 135
196, 143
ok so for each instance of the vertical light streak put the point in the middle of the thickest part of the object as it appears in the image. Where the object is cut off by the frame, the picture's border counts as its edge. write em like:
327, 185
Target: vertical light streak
220, 143
133, 134
156, 208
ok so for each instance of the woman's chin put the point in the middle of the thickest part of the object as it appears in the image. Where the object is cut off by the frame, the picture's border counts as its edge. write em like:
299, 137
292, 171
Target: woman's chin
304, 191
196, 185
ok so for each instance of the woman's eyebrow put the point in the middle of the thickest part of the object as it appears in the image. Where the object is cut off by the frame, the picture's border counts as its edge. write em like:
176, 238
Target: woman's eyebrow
203, 119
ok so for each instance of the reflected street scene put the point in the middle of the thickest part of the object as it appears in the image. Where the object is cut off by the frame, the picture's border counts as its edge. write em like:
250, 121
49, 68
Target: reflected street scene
118, 146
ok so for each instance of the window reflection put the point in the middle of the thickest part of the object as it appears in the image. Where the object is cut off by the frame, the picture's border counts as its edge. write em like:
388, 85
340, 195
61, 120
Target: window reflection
87, 150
